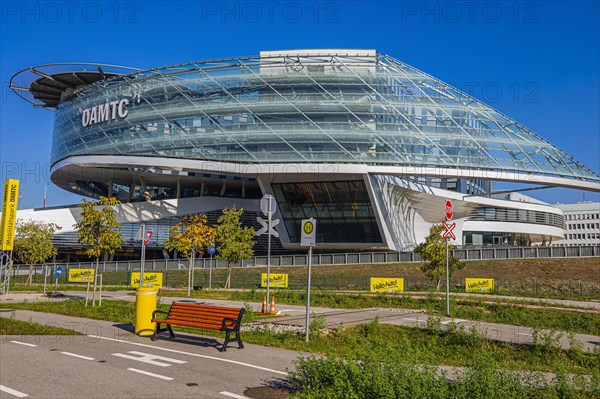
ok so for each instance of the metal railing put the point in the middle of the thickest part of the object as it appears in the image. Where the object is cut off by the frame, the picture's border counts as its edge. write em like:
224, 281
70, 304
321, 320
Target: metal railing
481, 253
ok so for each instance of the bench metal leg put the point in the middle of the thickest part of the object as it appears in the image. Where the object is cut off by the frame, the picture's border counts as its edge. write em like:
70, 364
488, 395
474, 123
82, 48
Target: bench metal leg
157, 331
228, 338
171, 331
239, 340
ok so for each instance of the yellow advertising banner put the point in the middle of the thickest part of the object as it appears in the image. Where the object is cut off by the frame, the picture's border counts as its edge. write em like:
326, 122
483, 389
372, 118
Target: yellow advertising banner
9, 214
80, 275
277, 280
151, 279
386, 284
479, 284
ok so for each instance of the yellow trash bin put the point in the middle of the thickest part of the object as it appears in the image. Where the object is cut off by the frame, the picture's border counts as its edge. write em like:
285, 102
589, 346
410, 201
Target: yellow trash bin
145, 304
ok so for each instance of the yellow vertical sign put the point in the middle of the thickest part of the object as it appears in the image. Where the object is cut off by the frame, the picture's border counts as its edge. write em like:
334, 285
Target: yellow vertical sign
9, 214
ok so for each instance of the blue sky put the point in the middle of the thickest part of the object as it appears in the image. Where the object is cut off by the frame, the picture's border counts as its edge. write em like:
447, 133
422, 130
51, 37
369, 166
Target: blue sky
536, 61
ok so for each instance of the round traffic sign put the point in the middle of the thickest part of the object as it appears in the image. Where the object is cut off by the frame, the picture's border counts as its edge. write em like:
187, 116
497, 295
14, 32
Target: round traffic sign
58, 271
448, 210
308, 227
212, 250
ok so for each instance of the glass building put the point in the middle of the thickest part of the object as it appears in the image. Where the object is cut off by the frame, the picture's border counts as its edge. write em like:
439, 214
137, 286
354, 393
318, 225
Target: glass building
367, 145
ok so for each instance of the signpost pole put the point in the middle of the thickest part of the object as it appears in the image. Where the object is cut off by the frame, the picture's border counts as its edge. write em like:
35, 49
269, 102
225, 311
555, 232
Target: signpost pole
448, 213
447, 281
143, 260
308, 238
269, 213
308, 291
190, 272
211, 251
58, 271
193, 266
210, 265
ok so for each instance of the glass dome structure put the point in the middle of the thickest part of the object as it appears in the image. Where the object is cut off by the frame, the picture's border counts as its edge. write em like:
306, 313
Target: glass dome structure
302, 107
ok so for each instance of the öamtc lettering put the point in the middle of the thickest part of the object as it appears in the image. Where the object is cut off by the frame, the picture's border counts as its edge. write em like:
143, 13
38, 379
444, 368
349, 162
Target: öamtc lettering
108, 111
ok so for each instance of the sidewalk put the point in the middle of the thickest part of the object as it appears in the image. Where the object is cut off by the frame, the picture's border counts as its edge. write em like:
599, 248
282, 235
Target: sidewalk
295, 316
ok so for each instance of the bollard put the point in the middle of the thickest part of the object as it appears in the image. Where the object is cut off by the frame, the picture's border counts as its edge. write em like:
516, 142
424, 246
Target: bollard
145, 305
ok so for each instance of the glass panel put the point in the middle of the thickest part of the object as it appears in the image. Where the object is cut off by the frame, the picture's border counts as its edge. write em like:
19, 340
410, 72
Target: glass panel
343, 210
369, 110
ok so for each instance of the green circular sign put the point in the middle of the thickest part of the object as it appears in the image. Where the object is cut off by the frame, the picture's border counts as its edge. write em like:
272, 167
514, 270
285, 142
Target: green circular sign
308, 227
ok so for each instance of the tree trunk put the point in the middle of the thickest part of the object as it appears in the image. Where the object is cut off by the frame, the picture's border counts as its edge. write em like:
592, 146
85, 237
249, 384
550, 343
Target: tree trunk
95, 277
228, 280
30, 277
437, 288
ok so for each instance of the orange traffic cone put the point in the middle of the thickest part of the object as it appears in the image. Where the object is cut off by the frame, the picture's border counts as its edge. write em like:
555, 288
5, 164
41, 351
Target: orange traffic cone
264, 305
272, 309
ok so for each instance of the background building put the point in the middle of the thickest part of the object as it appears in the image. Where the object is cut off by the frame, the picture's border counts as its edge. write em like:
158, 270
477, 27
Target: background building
582, 223
370, 147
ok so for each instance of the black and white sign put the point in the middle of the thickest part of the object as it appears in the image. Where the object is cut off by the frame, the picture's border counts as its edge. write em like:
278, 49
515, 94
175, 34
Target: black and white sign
265, 227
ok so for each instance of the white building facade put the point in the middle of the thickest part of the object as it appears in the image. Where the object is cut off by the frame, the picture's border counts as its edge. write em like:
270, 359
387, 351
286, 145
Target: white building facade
582, 223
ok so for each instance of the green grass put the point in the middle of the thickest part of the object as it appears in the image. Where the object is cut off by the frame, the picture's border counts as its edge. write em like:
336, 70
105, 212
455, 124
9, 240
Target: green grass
584, 323
455, 347
9, 326
433, 346
331, 378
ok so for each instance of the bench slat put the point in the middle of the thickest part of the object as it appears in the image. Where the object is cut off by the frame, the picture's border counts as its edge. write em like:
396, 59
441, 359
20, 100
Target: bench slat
179, 305
205, 313
204, 317
201, 326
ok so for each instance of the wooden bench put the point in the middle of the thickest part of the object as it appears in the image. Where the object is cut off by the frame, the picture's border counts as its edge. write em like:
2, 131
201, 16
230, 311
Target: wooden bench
204, 317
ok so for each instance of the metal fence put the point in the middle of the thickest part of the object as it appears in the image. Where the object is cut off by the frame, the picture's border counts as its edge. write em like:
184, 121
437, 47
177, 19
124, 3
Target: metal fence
481, 253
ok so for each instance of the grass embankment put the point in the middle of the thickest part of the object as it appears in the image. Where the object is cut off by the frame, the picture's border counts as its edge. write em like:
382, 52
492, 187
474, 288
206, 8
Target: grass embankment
433, 345
63, 287
583, 323
566, 278
10, 326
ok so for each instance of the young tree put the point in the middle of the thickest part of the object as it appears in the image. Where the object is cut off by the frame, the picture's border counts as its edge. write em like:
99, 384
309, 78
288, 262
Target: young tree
433, 252
33, 243
191, 232
235, 242
99, 230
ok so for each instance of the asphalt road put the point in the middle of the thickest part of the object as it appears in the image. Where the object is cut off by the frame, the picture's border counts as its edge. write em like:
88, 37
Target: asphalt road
109, 361
127, 366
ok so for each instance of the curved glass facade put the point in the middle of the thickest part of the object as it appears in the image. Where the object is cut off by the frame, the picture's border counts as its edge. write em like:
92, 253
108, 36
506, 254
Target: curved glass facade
290, 107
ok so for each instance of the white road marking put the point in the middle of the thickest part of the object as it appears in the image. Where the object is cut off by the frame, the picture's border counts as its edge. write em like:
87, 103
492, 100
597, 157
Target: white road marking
23, 343
78, 356
149, 374
454, 320
192, 354
149, 358
233, 395
414, 319
13, 392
